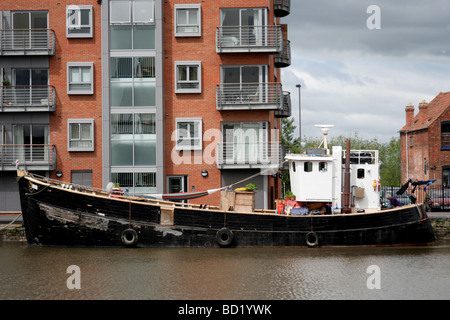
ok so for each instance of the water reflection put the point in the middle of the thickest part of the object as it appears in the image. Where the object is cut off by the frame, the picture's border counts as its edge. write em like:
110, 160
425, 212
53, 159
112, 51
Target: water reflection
256, 273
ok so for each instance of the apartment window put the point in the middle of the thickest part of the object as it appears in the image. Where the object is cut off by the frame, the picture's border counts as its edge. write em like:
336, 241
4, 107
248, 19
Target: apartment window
188, 20
133, 139
132, 25
79, 21
188, 75
189, 134
445, 135
446, 176
80, 78
81, 134
133, 82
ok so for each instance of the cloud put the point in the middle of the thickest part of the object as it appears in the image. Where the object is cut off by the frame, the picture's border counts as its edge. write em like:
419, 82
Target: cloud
358, 79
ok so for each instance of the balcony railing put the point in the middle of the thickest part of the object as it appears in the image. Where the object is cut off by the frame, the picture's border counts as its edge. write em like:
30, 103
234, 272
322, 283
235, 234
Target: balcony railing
282, 7
245, 96
30, 156
27, 98
27, 42
287, 107
232, 155
249, 39
283, 59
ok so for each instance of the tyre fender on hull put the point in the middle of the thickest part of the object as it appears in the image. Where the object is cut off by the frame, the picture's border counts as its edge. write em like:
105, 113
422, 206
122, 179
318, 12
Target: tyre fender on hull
224, 237
129, 237
312, 240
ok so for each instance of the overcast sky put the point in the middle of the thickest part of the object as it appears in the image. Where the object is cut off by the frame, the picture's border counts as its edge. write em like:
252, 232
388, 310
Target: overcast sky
360, 79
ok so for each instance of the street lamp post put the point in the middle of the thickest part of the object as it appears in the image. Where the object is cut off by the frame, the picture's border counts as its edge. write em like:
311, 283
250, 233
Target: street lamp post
299, 117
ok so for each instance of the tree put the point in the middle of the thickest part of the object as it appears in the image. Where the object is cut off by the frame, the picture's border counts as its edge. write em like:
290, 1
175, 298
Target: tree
288, 142
390, 170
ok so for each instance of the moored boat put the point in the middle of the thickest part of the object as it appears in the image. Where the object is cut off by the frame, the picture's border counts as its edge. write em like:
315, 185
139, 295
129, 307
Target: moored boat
327, 215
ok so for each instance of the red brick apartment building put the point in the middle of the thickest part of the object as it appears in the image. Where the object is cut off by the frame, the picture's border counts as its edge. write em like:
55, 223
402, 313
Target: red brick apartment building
50, 98
158, 96
425, 141
223, 89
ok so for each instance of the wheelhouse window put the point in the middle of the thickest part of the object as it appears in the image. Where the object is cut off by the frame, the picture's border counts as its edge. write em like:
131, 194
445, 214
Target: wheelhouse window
188, 20
81, 134
308, 166
79, 21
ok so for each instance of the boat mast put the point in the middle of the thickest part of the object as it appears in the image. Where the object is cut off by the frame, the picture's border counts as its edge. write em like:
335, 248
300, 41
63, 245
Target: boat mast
346, 201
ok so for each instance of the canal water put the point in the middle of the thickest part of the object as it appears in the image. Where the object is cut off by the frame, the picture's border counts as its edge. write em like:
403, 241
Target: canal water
224, 274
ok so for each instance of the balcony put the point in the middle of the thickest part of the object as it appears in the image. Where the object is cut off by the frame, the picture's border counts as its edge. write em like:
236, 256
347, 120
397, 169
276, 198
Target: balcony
283, 59
27, 99
286, 111
232, 155
249, 39
40, 157
249, 96
25, 42
282, 8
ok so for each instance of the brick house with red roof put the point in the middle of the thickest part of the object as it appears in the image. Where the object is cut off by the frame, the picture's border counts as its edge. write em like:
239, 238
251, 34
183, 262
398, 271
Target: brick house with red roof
425, 141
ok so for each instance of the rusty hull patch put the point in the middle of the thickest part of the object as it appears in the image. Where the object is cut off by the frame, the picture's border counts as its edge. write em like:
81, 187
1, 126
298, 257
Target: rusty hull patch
64, 216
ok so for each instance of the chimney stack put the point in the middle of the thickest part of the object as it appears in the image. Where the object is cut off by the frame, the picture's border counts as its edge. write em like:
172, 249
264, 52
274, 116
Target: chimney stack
409, 110
423, 108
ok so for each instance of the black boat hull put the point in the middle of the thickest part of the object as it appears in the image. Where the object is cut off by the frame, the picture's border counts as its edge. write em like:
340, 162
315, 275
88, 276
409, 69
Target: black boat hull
55, 216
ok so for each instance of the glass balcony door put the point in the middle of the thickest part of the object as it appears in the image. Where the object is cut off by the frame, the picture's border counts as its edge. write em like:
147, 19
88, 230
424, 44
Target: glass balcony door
29, 86
23, 23
31, 143
243, 26
244, 142
244, 84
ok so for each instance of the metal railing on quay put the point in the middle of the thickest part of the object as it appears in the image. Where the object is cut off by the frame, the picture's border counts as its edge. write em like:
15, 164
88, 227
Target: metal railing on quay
437, 197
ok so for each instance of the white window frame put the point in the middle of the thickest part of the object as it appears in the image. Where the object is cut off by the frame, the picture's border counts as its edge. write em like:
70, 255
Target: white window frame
189, 64
69, 80
197, 7
190, 146
70, 26
71, 122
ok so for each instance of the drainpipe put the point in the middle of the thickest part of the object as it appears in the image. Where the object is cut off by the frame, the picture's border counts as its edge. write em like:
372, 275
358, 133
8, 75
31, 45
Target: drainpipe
407, 158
